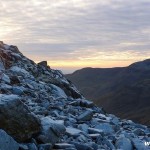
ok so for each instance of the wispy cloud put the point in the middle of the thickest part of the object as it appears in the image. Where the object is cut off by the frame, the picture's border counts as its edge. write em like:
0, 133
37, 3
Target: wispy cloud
78, 30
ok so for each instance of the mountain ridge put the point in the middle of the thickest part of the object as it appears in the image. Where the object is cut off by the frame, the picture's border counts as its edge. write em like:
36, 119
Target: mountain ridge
103, 86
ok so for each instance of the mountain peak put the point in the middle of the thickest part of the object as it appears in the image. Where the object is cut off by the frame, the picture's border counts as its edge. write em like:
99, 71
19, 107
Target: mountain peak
145, 65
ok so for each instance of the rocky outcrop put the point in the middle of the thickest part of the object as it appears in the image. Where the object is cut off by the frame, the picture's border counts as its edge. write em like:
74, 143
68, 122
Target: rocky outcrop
42, 110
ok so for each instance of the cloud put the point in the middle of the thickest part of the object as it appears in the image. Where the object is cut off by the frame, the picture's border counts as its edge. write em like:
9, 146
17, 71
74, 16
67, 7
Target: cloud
75, 29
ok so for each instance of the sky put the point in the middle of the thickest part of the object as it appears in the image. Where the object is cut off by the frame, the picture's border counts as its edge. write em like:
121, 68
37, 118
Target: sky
73, 34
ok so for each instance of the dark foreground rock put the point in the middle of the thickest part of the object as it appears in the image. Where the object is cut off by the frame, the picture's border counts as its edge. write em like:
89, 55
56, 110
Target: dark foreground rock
41, 110
16, 119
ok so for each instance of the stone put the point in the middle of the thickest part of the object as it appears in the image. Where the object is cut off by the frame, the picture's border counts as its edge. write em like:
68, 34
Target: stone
43, 63
58, 91
82, 146
105, 127
17, 90
23, 147
124, 143
83, 127
16, 119
20, 71
139, 132
86, 116
47, 146
94, 131
94, 135
93, 145
32, 146
63, 146
1, 65
5, 78
51, 130
7, 142
139, 145
73, 131
108, 143
86, 103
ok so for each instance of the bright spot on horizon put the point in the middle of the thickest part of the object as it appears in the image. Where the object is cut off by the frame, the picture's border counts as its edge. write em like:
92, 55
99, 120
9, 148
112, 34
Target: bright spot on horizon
73, 34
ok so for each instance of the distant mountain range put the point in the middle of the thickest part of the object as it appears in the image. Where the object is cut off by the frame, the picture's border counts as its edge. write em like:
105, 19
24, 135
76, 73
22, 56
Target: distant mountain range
123, 91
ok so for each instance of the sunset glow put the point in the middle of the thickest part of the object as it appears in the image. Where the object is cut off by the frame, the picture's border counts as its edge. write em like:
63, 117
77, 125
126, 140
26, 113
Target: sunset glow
72, 34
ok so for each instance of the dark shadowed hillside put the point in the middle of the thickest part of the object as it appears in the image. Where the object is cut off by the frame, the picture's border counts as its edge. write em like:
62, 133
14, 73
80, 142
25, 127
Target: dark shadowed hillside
123, 91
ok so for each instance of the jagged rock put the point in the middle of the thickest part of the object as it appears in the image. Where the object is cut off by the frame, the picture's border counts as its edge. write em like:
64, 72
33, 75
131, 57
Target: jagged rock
94, 136
73, 131
5, 78
47, 146
16, 119
86, 116
51, 131
124, 143
83, 127
58, 92
108, 143
105, 127
23, 147
20, 71
17, 90
82, 146
63, 146
1, 65
43, 63
94, 131
7, 142
139, 132
86, 103
139, 145
32, 146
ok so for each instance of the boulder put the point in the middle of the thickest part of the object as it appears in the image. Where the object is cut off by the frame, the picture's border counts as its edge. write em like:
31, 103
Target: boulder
73, 131
51, 130
105, 127
124, 143
63, 146
7, 142
139, 145
47, 146
43, 63
16, 119
86, 116
5, 78
32, 146
86, 103
17, 90
82, 146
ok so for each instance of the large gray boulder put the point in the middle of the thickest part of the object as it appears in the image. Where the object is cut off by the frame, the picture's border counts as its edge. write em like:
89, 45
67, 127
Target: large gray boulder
16, 119
7, 142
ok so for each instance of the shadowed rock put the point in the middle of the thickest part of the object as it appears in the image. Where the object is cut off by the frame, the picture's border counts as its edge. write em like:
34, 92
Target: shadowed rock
16, 119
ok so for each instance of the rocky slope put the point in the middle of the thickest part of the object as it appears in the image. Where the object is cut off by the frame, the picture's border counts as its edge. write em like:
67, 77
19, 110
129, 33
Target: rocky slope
41, 110
121, 91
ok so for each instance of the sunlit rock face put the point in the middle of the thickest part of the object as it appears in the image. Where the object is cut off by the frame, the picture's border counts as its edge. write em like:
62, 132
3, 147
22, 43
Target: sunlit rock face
41, 109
